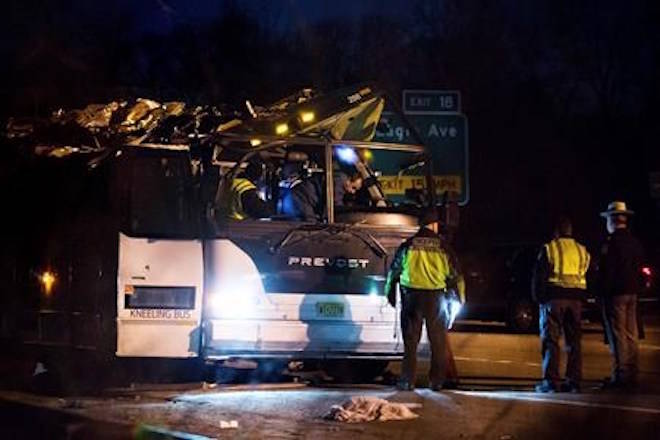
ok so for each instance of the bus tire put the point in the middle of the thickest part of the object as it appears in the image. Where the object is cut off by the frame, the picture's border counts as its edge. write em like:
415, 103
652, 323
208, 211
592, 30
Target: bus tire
523, 315
271, 370
354, 370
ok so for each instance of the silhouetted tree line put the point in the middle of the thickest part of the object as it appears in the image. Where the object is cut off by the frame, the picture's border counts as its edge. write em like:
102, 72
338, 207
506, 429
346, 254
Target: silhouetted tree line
562, 97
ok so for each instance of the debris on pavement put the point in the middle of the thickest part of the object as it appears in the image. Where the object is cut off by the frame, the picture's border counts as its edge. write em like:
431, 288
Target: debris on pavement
367, 409
228, 424
70, 404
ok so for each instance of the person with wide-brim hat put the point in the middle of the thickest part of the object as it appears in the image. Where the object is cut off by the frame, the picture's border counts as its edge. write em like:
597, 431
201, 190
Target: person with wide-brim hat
616, 208
619, 283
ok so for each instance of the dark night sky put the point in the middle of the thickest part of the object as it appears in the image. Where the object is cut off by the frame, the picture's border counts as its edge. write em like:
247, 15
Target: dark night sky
161, 16
562, 97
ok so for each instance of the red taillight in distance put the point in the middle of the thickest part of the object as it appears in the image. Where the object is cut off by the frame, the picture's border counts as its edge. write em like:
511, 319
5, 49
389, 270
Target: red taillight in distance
647, 274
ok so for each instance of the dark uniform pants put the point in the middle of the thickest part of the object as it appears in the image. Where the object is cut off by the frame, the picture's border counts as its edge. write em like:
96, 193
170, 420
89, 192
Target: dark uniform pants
451, 372
418, 307
620, 320
559, 315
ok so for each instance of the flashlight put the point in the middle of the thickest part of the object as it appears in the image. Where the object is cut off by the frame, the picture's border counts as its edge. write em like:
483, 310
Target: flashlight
453, 304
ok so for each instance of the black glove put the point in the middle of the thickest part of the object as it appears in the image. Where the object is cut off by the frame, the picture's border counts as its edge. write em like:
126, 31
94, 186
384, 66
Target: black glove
391, 297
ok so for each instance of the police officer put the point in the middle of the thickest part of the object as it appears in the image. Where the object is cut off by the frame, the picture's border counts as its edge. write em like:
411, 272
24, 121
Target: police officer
559, 285
619, 282
425, 269
239, 199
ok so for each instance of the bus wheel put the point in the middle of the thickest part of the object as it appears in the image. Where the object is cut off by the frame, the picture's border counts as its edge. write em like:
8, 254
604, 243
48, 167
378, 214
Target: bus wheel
271, 370
354, 370
235, 371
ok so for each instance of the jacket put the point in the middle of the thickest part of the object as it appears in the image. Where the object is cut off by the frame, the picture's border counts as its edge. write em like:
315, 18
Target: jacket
619, 269
303, 199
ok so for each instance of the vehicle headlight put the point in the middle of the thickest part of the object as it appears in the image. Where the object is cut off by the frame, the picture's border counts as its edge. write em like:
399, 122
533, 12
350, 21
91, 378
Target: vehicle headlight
226, 306
238, 298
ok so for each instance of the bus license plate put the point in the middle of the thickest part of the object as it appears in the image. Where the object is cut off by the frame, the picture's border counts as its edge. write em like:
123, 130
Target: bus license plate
330, 310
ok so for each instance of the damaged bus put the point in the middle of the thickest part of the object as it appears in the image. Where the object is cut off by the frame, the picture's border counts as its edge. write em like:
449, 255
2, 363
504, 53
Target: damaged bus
129, 253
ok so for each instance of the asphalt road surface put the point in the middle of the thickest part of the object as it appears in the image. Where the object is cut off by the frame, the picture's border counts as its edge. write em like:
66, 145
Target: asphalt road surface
495, 401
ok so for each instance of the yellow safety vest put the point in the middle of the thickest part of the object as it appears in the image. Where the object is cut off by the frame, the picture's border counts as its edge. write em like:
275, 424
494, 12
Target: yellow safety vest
425, 270
569, 261
426, 266
235, 206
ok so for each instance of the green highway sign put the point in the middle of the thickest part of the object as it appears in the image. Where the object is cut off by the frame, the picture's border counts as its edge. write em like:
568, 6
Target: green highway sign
431, 101
446, 136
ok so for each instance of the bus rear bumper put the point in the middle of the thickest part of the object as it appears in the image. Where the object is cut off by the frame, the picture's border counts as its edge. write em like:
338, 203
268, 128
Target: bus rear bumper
224, 339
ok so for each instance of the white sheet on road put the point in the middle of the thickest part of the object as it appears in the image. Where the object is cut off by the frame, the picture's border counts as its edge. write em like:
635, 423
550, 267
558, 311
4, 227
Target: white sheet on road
366, 409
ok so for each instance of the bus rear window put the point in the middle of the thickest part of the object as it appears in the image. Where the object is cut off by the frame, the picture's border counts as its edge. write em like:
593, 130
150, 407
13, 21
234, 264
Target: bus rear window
151, 297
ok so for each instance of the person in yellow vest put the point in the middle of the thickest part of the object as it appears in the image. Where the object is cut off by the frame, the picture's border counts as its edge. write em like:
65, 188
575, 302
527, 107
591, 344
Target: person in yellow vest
240, 200
559, 285
426, 270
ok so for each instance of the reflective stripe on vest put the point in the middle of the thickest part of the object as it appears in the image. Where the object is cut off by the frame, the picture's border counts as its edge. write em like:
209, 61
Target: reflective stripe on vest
569, 261
425, 265
238, 187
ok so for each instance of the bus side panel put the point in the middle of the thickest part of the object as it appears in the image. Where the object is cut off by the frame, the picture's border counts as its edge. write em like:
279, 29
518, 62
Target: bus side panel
159, 297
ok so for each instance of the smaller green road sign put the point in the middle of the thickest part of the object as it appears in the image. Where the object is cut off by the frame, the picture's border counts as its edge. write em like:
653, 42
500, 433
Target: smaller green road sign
431, 101
446, 136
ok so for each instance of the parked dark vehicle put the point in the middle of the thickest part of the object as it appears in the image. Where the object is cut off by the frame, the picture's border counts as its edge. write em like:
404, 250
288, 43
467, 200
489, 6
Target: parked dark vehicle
650, 297
648, 300
498, 283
